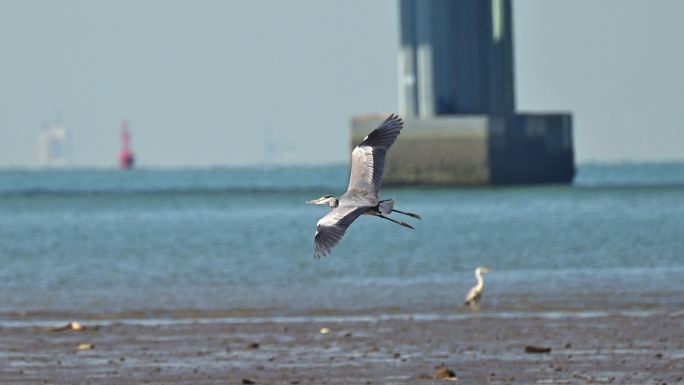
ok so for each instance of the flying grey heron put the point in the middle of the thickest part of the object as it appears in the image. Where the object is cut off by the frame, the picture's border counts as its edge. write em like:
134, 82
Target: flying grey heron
367, 165
475, 294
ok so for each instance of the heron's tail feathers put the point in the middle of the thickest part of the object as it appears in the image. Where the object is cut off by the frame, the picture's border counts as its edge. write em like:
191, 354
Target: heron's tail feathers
387, 206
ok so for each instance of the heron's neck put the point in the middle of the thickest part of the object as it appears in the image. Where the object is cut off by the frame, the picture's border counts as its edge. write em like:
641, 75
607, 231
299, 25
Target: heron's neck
480, 281
333, 202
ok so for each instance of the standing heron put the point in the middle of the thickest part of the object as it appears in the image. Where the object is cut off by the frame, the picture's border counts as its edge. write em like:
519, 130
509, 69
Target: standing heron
367, 165
475, 294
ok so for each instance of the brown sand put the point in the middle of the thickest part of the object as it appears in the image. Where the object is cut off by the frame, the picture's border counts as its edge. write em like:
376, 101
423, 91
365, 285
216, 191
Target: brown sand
617, 349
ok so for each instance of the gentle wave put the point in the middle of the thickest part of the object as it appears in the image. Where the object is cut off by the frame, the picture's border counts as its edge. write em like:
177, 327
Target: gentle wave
161, 191
16, 182
327, 319
281, 190
211, 180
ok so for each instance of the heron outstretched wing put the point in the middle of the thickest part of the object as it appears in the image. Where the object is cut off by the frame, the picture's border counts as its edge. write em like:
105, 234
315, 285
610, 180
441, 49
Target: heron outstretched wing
331, 228
368, 158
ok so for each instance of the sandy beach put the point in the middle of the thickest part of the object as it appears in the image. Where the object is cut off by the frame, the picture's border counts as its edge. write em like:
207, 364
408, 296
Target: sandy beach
620, 348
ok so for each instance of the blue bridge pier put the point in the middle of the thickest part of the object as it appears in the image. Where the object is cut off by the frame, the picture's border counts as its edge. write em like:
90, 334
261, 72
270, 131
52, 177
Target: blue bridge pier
457, 98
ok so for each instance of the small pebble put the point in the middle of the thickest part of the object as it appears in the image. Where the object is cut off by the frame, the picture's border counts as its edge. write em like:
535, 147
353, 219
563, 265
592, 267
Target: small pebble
85, 346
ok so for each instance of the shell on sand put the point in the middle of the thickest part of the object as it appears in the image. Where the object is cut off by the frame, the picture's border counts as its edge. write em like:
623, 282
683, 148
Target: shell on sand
73, 325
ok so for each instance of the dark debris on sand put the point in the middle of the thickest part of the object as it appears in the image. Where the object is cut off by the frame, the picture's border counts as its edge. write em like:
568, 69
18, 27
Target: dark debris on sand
537, 349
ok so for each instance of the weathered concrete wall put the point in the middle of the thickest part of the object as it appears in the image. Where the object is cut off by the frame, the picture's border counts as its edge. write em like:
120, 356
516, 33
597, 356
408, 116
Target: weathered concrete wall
477, 149
434, 151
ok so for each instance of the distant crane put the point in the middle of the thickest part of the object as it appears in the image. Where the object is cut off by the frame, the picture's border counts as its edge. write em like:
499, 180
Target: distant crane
126, 157
367, 166
475, 294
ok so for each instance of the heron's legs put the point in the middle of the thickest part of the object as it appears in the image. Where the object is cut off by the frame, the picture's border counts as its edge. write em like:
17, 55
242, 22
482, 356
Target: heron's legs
397, 222
407, 213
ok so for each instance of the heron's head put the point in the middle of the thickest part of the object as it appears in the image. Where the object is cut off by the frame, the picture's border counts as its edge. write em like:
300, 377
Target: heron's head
483, 269
325, 200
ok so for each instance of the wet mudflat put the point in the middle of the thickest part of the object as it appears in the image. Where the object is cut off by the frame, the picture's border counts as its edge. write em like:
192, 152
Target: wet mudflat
615, 349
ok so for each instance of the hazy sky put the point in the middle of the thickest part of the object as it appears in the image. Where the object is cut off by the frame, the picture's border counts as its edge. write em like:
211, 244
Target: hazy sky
618, 65
221, 82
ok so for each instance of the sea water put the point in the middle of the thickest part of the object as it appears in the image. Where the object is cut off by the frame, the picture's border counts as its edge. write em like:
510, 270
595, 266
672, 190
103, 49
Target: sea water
239, 242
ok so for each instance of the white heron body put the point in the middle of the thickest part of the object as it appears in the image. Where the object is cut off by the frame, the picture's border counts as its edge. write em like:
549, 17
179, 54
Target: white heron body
475, 294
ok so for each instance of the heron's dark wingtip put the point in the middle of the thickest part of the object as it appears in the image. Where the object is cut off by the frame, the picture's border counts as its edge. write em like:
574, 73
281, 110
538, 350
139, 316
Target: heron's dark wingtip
318, 253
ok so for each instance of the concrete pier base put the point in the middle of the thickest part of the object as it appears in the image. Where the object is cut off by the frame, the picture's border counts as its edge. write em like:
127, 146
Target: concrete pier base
477, 149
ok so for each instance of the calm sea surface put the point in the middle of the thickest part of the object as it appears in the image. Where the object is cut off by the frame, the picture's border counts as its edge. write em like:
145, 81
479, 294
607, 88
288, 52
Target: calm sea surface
227, 242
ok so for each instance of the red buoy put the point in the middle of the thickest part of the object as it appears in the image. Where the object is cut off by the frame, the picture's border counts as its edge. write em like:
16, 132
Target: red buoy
126, 157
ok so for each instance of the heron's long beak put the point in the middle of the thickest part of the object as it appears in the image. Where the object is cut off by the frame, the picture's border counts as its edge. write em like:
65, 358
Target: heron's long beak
319, 201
